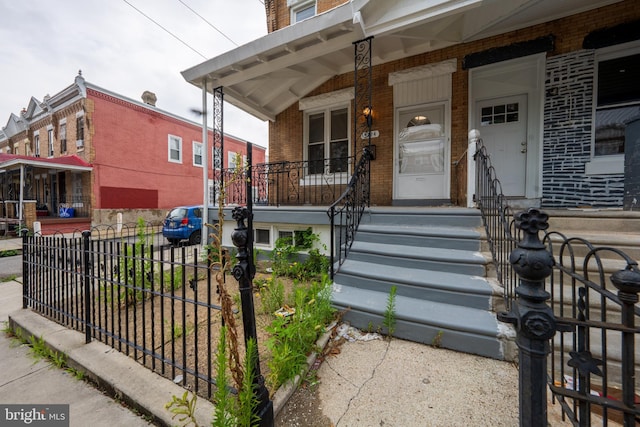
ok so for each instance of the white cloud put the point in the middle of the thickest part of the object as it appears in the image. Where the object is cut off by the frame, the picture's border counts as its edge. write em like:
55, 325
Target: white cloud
43, 44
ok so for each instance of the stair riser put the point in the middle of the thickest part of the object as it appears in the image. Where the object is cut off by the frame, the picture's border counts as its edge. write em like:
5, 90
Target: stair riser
420, 241
399, 260
591, 224
479, 301
429, 334
423, 219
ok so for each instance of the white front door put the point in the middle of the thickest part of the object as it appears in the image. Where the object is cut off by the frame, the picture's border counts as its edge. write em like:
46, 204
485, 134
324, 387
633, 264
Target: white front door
503, 128
421, 170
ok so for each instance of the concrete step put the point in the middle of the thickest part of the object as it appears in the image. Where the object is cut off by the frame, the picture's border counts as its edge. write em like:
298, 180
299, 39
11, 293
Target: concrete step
425, 258
448, 325
593, 220
627, 242
450, 237
436, 217
437, 286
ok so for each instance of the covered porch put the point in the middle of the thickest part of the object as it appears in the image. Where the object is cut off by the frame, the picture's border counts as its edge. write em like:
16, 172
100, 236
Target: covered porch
37, 193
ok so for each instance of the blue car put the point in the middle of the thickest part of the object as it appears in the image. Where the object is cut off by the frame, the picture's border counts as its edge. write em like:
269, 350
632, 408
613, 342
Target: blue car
183, 223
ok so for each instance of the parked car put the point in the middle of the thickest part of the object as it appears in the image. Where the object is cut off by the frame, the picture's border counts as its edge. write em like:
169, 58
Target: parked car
183, 223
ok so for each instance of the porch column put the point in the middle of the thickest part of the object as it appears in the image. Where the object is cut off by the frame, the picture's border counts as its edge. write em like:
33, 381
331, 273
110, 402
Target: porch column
474, 137
205, 168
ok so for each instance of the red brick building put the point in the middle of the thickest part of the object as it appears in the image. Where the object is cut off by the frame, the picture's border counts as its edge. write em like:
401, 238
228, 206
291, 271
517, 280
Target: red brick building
100, 153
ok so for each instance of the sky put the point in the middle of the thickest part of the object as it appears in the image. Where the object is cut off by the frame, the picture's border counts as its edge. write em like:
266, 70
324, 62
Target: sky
43, 44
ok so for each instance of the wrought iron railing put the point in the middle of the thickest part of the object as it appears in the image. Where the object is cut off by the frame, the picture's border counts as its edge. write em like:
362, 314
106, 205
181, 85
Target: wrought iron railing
592, 366
299, 183
345, 213
153, 303
497, 217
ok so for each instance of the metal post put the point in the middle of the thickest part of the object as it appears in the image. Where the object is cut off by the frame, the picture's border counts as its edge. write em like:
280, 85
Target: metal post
25, 267
243, 273
628, 284
87, 286
533, 318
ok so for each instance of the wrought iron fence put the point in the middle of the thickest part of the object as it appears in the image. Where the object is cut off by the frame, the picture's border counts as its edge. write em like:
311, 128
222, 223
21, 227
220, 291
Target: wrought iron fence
345, 213
592, 365
497, 217
590, 340
153, 303
290, 183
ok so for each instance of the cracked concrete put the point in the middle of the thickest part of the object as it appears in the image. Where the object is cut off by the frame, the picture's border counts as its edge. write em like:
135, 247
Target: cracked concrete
401, 383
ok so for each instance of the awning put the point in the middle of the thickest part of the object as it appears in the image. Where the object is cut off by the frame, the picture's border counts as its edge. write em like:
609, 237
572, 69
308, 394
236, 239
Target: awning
70, 163
268, 75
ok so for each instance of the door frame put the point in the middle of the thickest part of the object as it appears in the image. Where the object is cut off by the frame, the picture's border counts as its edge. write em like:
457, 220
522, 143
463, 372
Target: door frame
447, 152
509, 78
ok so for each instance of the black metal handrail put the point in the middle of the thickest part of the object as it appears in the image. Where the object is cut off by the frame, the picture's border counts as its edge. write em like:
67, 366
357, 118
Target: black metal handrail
345, 213
298, 183
497, 217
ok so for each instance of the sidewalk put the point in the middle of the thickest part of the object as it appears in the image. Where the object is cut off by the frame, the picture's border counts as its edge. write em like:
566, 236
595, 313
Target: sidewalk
27, 380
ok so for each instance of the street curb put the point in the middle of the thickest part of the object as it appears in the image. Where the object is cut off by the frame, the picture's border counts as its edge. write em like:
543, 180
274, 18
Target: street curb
127, 380
120, 375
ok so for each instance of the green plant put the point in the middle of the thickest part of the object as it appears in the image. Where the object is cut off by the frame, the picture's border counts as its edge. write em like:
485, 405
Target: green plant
178, 330
38, 347
8, 252
9, 278
183, 408
437, 339
247, 399
272, 295
294, 337
286, 259
389, 320
222, 396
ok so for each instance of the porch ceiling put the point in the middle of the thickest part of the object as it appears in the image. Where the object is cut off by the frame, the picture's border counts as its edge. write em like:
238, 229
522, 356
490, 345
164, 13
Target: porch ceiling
266, 76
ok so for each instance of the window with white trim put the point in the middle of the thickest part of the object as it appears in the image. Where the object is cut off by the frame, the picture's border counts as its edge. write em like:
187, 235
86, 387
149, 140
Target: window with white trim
327, 137
232, 158
197, 153
50, 141
301, 9
36, 144
80, 131
262, 236
175, 149
63, 137
617, 100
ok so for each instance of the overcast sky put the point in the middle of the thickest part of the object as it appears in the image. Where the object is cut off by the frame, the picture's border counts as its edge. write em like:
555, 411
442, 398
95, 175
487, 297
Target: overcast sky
43, 44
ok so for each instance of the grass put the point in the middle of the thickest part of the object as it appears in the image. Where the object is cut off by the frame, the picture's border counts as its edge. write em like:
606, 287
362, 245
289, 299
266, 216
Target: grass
8, 278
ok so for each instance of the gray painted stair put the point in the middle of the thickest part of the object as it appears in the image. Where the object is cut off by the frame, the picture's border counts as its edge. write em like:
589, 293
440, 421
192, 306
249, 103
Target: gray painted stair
432, 256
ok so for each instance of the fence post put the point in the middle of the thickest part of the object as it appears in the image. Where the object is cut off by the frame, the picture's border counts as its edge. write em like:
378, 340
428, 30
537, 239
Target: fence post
25, 267
244, 272
628, 284
87, 285
533, 318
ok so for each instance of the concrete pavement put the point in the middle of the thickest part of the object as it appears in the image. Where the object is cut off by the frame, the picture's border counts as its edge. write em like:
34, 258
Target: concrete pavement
28, 380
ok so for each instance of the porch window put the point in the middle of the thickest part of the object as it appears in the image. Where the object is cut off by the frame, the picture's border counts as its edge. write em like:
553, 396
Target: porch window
175, 149
63, 138
50, 141
618, 102
197, 153
328, 137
